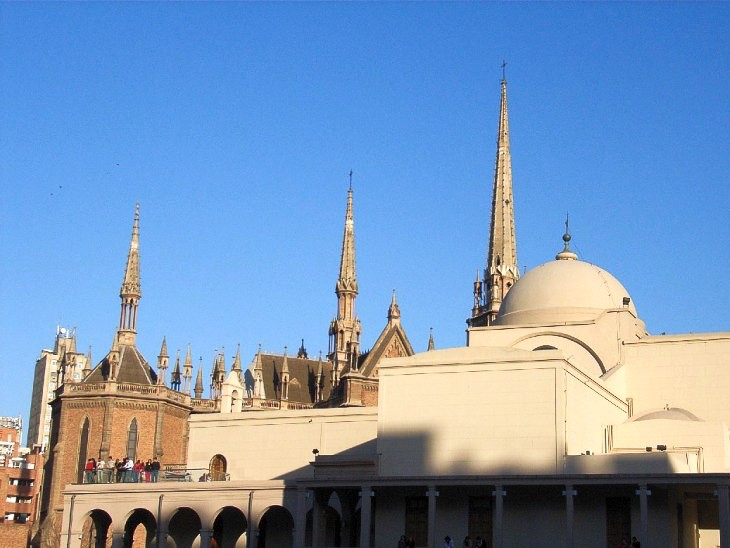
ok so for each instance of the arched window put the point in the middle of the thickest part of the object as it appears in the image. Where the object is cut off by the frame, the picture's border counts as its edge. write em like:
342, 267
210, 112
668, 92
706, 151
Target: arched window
217, 468
83, 450
132, 440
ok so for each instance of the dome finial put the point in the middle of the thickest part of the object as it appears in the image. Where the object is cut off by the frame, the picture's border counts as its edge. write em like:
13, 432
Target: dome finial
566, 254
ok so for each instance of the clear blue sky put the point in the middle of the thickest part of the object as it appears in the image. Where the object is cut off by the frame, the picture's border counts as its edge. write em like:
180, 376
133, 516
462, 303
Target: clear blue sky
235, 124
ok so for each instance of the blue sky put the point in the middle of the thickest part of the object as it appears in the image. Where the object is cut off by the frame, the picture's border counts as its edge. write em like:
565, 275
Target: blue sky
235, 125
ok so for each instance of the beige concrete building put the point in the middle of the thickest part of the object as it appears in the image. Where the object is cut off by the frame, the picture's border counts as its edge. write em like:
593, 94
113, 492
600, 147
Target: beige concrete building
52, 368
562, 422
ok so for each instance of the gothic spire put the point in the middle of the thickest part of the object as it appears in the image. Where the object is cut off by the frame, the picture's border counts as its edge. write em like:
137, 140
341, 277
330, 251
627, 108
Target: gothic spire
131, 291
175, 378
393, 310
162, 362
199, 381
237, 363
345, 328
501, 271
431, 345
187, 371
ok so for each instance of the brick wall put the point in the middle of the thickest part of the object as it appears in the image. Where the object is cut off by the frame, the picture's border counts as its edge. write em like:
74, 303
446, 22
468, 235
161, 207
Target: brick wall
14, 535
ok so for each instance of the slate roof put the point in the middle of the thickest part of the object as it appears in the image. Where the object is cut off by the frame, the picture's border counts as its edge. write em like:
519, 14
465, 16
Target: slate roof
133, 368
302, 378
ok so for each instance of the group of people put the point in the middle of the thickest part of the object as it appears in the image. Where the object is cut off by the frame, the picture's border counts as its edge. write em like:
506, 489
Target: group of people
121, 471
479, 542
634, 543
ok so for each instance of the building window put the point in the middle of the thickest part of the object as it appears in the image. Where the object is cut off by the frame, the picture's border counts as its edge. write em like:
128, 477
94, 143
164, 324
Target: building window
132, 440
83, 447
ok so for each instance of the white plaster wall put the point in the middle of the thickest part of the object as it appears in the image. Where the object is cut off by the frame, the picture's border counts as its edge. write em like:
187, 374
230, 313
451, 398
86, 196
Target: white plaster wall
687, 371
262, 445
712, 437
467, 418
589, 408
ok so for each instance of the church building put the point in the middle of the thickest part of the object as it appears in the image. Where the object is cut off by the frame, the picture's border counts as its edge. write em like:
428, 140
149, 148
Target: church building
561, 422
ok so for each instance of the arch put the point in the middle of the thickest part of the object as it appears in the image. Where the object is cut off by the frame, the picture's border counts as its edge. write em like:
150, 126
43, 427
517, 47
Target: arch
184, 526
330, 529
140, 528
276, 528
235, 401
217, 468
229, 528
83, 449
132, 434
95, 529
548, 334
545, 347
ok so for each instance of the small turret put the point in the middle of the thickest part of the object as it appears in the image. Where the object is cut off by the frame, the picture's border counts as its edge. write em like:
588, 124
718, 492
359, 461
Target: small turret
393, 310
285, 377
199, 381
431, 346
258, 376
87, 365
187, 371
162, 362
237, 364
175, 379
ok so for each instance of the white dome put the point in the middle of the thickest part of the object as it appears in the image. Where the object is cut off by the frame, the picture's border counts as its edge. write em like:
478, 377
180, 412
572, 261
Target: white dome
562, 291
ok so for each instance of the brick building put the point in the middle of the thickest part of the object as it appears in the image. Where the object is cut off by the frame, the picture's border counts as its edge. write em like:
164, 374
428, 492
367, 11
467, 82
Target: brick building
20, 481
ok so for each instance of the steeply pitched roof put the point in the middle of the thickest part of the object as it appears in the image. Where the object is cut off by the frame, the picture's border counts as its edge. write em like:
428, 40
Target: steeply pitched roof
302, 378
392, 342
133, 368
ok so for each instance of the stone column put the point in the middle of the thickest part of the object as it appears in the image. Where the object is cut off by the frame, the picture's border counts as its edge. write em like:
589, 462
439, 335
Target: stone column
365, 508
723, 506
117, 539
644, 493
432, 494
497, 534
205, 536
316, 520
300, 520
569, 493
252, 537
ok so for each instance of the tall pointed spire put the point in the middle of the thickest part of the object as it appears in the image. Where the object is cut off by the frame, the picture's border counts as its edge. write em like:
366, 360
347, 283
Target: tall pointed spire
431, 345
187, 371
501, 271
258, 376
345, 328
131, 290
237, 364
162, 362
199, 381
175, 377
393, 310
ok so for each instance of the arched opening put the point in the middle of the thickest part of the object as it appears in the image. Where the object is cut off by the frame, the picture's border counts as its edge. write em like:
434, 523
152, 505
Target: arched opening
184, 527
95, 529
330, 533
235, 401
132, 440
83, 450
544, 347
139, 529
229, 528
276, 528
217, 468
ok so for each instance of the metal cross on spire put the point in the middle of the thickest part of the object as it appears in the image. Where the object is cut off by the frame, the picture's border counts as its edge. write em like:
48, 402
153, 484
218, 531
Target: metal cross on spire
350, 179
504, 65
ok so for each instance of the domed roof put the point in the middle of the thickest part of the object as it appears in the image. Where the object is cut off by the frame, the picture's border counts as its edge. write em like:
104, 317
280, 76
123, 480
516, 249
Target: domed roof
562, 290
